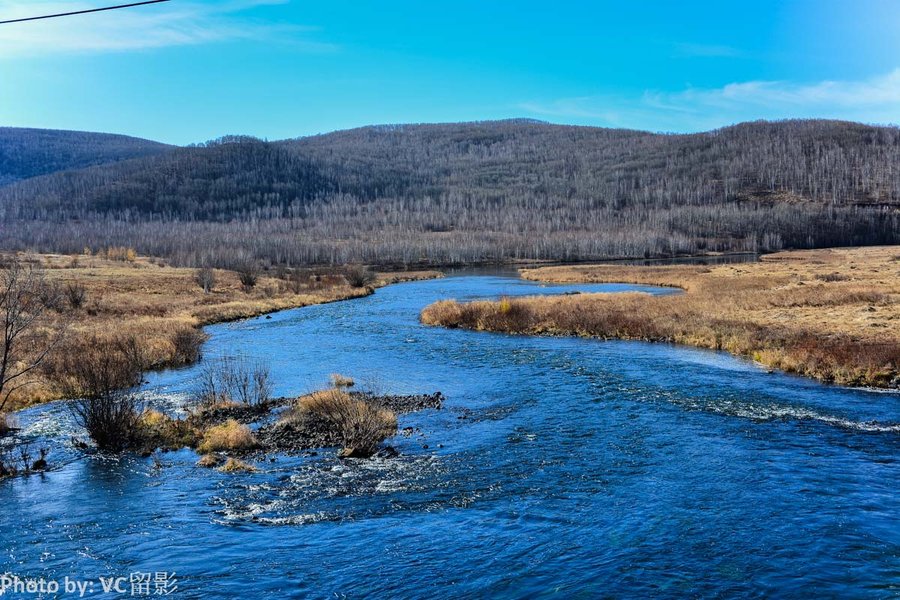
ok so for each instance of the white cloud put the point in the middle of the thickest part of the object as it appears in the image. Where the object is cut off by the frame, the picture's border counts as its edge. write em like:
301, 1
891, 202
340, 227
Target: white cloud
874, 100
152, 26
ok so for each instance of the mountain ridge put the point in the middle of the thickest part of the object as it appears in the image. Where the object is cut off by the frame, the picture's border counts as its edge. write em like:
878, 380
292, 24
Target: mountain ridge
471, 192
27, 152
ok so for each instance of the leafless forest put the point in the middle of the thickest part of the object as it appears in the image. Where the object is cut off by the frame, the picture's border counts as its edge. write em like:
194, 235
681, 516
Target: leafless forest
469, 193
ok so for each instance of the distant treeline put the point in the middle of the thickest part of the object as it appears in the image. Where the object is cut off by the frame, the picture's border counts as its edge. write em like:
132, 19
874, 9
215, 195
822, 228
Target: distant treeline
475, 192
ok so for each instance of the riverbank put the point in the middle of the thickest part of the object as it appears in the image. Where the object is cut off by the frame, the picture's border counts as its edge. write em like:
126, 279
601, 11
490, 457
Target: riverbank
833, 314
163, 307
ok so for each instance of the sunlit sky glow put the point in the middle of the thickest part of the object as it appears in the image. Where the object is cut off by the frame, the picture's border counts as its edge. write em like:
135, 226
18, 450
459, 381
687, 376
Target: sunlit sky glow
190, 70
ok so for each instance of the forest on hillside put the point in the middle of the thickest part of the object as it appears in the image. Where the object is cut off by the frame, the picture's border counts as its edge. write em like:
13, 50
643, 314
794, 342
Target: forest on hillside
475, 192
26, 153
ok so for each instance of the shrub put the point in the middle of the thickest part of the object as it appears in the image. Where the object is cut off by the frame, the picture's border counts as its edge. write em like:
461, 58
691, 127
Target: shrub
234, 379
102, 380
51, 296
230, 436
111, 420
98, 367
76, 295
248, 277
360, 425
20, 462
358, 276
187, 343
831, 277
206, 279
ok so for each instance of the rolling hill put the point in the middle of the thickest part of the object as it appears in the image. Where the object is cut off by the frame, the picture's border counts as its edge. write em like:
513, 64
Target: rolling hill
26, 153
476, 192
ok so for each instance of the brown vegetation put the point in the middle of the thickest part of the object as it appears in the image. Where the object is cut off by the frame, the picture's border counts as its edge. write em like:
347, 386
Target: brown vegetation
341, 381
829, 314
115, 294
230, 436
158, 430
360, 426
208, 461
103, 381
233, 465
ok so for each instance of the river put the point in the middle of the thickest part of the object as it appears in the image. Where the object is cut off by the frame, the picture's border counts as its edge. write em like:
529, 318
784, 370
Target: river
558, 467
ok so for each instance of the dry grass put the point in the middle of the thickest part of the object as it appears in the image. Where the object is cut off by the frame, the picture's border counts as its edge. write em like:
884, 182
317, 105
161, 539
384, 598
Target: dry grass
163, 307
158, 430
360, 425
208, 461
341, 381
233, 465
829, 314
229, 436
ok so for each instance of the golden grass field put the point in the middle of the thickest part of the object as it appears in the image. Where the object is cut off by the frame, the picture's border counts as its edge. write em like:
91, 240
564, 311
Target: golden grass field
830, 314
154, 303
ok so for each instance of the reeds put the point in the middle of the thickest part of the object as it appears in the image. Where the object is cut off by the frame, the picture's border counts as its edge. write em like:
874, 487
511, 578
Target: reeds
360, 425
230, 436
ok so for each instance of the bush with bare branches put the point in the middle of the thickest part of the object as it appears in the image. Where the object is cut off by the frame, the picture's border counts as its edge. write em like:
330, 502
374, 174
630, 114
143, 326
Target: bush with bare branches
234, 379
187, 344
76, 294
359, 276
206, 279
103, 383
248, 277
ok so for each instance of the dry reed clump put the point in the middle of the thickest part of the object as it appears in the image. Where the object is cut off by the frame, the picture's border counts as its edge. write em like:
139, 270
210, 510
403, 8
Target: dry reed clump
233, 465
208, 461
841, 327
341, 381
229, 436
359, 425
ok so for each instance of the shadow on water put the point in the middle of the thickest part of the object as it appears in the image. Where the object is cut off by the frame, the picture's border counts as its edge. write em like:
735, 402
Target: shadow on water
558, 466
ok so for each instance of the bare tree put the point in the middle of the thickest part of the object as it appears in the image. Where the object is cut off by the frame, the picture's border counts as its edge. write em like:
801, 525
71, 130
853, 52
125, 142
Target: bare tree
25, 298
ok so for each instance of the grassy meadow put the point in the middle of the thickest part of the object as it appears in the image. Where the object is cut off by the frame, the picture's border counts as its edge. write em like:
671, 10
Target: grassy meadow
119, 295
830, 314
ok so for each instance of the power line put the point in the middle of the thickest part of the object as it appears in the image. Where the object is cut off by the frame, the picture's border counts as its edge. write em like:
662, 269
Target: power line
82, 12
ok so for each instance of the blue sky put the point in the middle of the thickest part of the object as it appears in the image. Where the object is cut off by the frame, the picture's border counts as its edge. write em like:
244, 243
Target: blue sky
190, 70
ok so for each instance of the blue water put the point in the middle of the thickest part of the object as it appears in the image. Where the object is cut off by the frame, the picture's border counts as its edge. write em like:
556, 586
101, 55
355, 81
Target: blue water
558, 468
